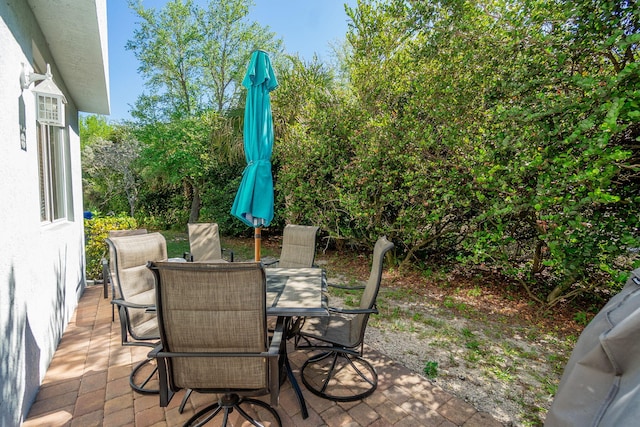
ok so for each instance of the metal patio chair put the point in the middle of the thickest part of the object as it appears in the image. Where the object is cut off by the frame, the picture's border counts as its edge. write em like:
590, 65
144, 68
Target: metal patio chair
339, 339
298, 247
204, 243
213, 330
135, 298
108, 265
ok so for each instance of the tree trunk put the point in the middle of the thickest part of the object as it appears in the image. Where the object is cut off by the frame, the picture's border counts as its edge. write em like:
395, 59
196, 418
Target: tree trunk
538, 255
194, 215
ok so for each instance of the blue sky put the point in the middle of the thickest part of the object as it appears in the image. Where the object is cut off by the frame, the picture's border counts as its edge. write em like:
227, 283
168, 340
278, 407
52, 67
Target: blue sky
306, 26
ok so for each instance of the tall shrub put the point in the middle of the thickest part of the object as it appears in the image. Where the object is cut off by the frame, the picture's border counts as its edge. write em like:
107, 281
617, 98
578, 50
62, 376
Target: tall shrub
96, 230
503, 134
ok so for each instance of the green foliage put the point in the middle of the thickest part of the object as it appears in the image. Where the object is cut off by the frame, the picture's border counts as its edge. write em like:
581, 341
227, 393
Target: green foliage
581, 318
431, 369
556, 178
96, 230
111, 179
218, 197
491, 134
496, 134
307, 112
188, 158
193, 57
93, 127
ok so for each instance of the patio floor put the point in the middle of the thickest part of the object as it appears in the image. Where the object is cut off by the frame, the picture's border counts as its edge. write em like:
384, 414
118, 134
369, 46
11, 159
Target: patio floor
87, 384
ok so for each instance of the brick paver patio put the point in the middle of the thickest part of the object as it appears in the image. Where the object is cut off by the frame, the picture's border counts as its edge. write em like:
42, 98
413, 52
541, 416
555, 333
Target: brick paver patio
87, 384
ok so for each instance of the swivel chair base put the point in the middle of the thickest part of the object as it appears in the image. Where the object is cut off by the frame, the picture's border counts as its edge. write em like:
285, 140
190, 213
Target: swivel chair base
227, 404
339, 375
141, 375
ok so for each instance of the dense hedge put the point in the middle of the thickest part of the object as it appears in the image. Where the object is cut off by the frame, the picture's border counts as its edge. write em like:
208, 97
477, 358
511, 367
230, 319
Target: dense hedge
486, 135
96, 230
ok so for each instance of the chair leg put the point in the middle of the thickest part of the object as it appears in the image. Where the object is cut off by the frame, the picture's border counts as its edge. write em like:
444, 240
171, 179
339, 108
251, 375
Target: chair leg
339, 375
184, 400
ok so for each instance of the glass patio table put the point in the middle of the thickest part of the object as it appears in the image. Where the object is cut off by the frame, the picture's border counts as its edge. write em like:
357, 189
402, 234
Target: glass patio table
296, 292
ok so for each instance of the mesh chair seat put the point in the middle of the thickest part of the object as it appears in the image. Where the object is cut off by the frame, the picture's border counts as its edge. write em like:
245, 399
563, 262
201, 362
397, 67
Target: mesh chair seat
332, 329
204, 243
108, 266
147, 330
145, 325
298, 246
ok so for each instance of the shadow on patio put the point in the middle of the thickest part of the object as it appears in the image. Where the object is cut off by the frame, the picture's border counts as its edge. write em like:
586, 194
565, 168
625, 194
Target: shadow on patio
87, 384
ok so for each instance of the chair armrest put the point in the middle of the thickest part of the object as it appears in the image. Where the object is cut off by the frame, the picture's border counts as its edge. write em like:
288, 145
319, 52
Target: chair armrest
127, 304
166, 394
270, 263
105, 267
277, 347
154, 353
354, 310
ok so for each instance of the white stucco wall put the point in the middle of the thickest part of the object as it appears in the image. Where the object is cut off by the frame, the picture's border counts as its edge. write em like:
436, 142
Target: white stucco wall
41, 266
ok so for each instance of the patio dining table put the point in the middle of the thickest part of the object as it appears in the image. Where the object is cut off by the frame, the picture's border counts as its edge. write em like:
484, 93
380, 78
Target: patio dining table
296, 292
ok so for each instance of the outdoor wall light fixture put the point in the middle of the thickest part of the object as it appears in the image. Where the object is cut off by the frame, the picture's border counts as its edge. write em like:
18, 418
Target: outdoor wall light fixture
49, 98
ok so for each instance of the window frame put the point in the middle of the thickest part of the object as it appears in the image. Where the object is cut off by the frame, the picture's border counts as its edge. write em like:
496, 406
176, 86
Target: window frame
54, 174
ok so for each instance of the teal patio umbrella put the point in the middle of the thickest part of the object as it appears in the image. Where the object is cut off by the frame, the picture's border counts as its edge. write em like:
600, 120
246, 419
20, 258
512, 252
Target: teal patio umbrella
253, 204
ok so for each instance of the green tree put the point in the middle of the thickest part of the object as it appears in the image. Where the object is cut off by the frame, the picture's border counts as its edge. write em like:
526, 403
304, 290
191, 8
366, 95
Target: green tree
111, 182
412, 151
308, 114
553, 176
94, 127
193, 59
167, 45
186, 152
228, 42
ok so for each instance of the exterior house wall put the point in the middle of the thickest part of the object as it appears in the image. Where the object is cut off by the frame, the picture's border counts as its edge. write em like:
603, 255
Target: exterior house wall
41, 264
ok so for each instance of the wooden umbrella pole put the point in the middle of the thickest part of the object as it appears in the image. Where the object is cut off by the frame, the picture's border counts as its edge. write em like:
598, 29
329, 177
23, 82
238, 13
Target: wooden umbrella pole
258, 238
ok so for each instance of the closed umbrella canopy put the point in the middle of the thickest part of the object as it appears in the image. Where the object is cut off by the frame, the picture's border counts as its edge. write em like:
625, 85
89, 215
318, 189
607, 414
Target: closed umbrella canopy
254, 200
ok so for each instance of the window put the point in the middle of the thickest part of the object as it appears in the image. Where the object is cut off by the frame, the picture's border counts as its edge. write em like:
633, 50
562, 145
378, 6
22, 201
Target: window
55, 175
